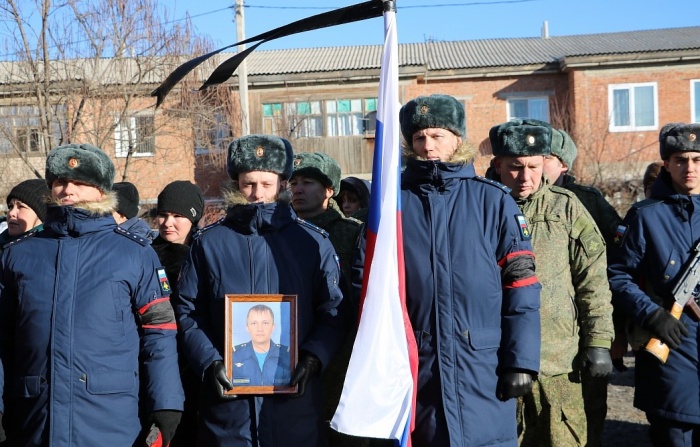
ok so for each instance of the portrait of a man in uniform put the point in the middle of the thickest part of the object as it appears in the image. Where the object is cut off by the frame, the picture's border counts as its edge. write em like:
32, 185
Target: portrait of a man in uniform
261, 361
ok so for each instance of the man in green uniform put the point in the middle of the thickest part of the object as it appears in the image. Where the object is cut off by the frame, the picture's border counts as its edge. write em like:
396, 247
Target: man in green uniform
315, 180
557, 167
576, 313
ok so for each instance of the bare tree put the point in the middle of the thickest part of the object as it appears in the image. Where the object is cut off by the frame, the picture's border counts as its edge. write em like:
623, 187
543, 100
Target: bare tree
82, 71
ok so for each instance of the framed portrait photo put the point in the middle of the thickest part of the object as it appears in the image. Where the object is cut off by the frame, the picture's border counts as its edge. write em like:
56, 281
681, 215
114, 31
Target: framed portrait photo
261, 343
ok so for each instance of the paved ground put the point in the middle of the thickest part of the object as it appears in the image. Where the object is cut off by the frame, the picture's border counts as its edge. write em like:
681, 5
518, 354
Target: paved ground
625, 426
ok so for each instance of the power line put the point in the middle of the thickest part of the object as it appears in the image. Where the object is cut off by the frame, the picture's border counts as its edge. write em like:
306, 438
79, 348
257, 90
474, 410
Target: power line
327, 8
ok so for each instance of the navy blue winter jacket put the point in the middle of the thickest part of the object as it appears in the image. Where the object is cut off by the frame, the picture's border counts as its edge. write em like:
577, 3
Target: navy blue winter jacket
87, 334
653, 246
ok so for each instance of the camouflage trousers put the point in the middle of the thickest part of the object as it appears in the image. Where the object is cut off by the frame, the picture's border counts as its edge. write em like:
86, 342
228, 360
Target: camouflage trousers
552, 415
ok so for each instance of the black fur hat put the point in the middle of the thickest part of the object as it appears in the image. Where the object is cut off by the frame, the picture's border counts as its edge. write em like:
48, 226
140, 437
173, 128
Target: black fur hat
436, 111
521, 138
679, 137
82, 162
260, 153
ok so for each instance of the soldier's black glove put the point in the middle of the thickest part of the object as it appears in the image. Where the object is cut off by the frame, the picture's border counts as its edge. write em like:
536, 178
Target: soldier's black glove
513, 383
2, 430
309, 365
215, 376
596, 362
669, 330
166, 421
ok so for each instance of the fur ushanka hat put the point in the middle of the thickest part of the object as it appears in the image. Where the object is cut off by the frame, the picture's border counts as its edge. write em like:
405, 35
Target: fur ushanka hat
318, 166
434, 111
563, 147
260, 153
679, 137
521, 138
81, 162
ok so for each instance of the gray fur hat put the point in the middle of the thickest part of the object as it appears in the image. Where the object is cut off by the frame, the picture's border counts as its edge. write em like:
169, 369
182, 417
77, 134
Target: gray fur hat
521, 138
434, 111
81, 162
679, 137
320, 167
563, 147
260, 153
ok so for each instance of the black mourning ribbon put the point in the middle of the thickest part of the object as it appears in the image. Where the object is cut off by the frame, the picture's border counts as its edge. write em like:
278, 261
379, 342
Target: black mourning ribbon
349, 14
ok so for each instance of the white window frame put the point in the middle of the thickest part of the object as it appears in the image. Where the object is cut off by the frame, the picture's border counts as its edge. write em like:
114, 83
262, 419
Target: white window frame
123, 134
515, 97
632, 126
694, 101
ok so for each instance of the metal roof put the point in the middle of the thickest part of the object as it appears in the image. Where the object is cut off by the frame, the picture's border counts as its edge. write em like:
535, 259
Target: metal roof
474, 53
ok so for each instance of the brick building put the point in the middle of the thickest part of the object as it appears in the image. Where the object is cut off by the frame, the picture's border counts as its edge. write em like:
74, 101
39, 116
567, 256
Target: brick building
611, 91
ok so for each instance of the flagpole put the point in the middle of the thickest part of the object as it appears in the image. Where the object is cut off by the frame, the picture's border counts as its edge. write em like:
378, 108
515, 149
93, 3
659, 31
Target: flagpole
378, 397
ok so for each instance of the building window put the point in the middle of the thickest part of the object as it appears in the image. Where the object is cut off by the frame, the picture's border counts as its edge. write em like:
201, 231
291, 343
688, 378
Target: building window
529, 108
300, 119
21, 130
305, 119
348, 116
135, 135
212, 133
633, 107
695, 101
28, 139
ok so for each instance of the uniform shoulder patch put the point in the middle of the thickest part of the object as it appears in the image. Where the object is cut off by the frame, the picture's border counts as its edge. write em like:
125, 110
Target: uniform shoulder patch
132, 236
620, 233
19, 239
646, 203
310, 226
525, 233
201, 231
163, 281
488, 181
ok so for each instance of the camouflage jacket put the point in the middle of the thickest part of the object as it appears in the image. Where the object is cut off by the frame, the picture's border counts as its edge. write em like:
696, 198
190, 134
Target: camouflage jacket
600, 209
575, 304
343, 233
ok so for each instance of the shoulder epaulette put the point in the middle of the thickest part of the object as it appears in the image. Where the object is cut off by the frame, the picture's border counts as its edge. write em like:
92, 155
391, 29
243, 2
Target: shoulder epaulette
132, 236
645, 203
488, 181
562, 190
242, 345
19, 239
201, 231
310, 226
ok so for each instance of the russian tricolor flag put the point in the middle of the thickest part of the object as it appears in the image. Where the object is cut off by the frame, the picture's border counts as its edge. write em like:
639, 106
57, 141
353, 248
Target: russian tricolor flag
379, 394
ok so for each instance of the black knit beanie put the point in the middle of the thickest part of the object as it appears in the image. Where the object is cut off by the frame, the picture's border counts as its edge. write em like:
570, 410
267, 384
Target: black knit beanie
184, 198
34, 193
127, 198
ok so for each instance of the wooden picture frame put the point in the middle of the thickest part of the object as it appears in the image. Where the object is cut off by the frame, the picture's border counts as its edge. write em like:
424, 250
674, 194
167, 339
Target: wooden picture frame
248, 331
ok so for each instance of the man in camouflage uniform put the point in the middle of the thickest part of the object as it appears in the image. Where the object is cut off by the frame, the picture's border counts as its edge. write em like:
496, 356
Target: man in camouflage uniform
575, 299
315, 180
556, 168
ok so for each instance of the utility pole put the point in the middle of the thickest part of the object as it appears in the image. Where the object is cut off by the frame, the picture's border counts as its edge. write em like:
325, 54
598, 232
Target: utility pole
242, 70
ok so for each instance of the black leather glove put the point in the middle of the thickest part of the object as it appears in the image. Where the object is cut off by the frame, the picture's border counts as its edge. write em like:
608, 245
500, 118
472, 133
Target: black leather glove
309, 365
215, 376
596, 362
166, 421
669, 330
2, 430
513, 383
